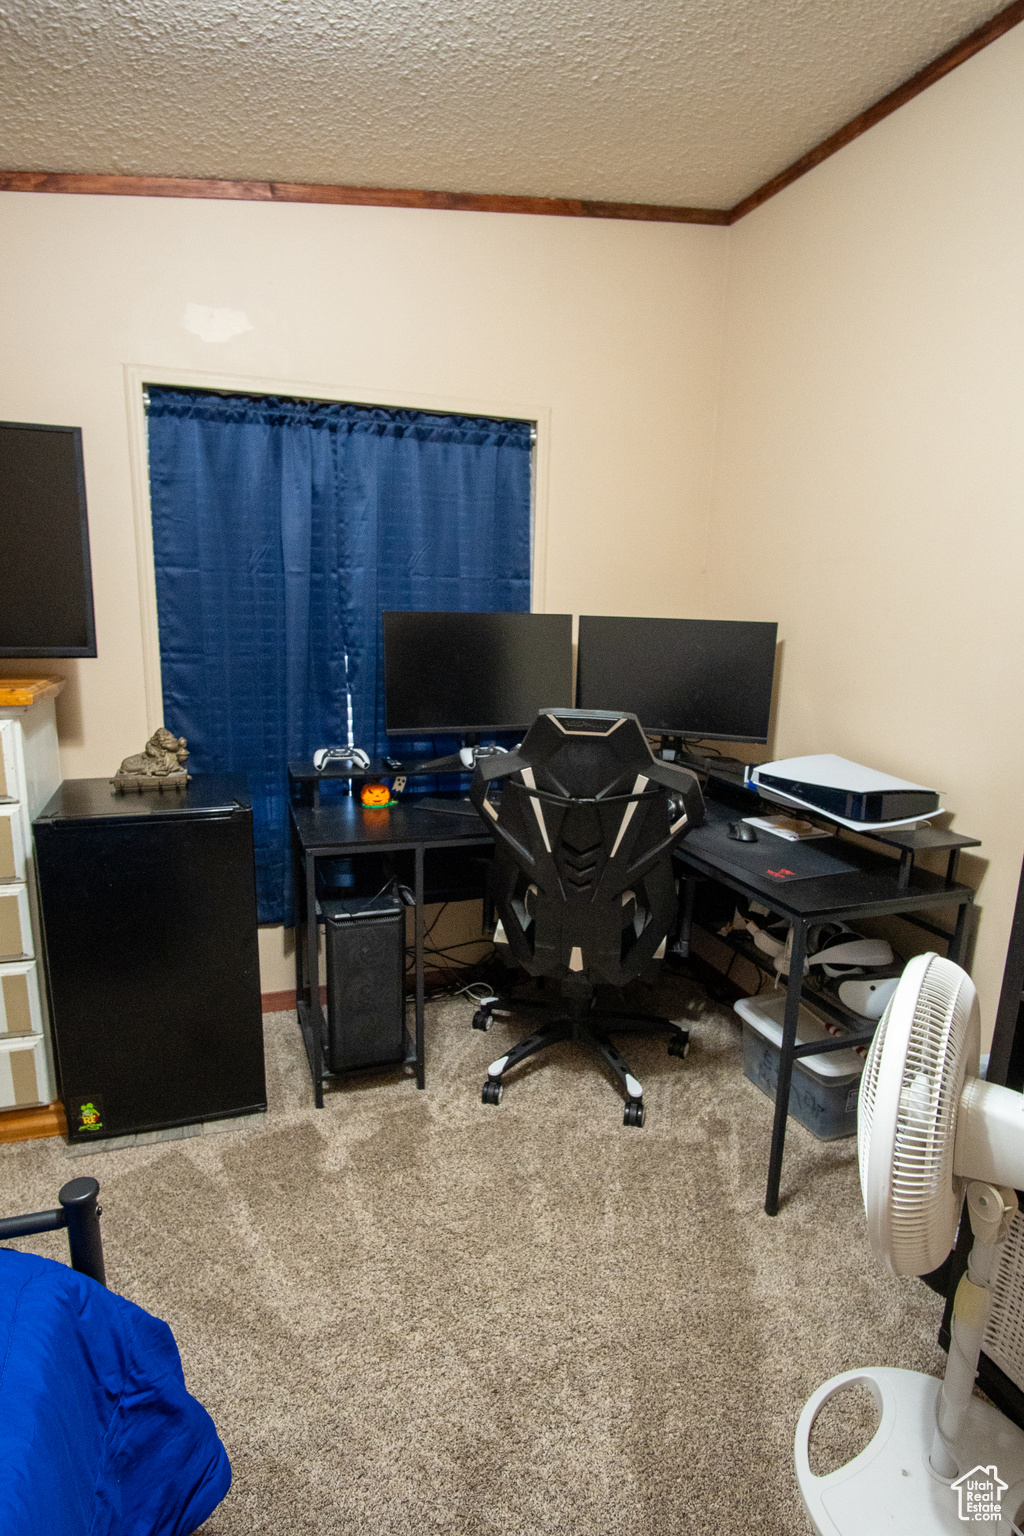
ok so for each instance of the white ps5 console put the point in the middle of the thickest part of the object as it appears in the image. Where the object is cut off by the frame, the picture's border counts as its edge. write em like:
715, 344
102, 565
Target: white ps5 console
855, 796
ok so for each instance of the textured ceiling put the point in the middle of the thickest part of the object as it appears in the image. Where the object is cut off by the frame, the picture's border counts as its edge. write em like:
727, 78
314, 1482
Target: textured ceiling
694, 102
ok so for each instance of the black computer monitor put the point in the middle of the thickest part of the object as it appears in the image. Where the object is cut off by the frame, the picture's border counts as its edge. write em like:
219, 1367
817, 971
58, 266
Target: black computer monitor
45, 580
709, 679
465, 673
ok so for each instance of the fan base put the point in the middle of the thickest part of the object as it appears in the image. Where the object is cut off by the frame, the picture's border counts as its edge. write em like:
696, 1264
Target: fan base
890, 1486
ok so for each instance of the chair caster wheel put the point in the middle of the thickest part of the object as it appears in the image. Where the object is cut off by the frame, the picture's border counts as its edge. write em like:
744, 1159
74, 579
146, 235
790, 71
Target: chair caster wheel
633, 1114
493, 1091
679, 1045
481, 1019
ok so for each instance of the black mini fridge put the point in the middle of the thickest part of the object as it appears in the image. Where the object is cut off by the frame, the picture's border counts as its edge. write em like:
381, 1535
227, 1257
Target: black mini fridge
149, 921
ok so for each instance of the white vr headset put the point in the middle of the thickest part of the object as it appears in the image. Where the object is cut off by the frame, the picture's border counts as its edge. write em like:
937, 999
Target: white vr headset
837, 959
841, 950
844, 957
866, 997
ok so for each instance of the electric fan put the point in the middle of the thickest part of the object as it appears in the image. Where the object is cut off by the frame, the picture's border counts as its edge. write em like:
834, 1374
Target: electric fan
930, 1133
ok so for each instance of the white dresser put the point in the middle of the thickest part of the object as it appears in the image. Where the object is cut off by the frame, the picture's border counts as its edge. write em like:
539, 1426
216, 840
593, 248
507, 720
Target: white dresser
29, 775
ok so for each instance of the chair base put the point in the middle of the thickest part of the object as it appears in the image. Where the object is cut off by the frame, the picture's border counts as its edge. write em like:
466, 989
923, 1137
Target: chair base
579, 1022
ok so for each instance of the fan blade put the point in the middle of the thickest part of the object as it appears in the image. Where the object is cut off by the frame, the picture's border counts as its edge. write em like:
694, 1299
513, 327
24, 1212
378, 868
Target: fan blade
990, 1134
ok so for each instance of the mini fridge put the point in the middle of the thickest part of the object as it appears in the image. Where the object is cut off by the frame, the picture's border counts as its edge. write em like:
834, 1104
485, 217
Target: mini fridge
148, 905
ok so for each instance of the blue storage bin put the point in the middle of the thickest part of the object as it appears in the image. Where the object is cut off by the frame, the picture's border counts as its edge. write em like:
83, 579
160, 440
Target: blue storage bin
823, 1092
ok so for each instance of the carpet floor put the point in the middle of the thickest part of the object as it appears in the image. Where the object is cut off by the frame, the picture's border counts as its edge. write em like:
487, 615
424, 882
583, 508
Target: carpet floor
412, 1313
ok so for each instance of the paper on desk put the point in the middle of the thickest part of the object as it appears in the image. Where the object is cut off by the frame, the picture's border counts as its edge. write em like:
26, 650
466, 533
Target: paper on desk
770, 824
852, 826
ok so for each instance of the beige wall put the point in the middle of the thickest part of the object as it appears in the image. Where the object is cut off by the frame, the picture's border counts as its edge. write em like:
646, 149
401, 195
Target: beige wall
610, 332
869, 483
869, 456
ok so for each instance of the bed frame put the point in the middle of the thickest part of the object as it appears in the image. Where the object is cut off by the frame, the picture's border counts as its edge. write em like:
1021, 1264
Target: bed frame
80, 1214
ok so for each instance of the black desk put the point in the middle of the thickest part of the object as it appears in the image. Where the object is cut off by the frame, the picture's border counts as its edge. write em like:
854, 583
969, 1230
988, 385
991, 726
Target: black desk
339, 830
876, 886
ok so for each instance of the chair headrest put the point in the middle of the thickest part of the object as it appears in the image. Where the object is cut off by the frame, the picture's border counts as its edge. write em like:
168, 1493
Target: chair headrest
586, 752
589, 722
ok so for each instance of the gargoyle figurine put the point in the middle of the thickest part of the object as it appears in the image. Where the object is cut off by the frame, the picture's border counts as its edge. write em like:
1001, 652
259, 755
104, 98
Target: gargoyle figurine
165, 754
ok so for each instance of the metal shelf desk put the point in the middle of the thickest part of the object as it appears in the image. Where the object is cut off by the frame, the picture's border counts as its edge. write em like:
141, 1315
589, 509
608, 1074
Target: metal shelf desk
346, 828
875, 886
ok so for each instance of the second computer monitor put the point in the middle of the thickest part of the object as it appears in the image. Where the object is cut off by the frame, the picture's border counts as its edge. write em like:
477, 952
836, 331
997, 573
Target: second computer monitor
467, 673
709, 679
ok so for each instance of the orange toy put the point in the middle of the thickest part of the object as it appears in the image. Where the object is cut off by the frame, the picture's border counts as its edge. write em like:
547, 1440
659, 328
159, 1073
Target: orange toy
376, 795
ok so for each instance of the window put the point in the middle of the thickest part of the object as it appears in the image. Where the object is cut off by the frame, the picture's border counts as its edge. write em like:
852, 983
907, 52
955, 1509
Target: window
281, 529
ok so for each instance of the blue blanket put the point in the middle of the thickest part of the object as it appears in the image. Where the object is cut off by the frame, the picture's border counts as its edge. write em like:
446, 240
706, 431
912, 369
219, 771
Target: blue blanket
98, 1435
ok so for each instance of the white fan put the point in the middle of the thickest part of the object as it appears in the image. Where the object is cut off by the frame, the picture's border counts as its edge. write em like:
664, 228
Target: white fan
930, 1131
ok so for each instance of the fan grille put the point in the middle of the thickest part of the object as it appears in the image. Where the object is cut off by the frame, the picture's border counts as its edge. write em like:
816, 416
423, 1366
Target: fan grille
868, 1094
1004, 1334
913, 1221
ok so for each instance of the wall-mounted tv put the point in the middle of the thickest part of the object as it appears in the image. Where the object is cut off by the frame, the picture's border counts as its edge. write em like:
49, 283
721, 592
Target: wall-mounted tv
45, 576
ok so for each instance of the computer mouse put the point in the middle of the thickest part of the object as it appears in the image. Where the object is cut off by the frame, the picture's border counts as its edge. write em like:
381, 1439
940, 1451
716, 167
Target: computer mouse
741, 833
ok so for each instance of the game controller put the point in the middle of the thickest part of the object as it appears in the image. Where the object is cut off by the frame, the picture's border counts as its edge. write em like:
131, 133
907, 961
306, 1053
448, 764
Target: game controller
469, 755
324, 756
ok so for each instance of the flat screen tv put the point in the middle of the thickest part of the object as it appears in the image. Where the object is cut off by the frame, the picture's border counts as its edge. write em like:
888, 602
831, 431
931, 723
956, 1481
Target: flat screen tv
45, 576
709, 679
464, 673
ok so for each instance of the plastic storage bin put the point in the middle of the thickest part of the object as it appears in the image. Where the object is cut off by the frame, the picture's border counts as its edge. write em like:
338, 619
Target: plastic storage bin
20, 1012
823, 1091
16, 940
24, 1080
12, 841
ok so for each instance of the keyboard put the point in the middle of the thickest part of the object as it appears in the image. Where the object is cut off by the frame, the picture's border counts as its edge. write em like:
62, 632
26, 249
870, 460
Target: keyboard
438, 803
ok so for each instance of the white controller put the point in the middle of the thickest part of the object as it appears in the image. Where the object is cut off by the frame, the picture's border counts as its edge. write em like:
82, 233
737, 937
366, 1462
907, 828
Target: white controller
327, 755
469, 755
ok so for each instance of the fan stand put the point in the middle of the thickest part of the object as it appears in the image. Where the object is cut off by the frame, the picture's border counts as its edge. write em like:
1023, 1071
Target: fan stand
893, 1485
890, 1486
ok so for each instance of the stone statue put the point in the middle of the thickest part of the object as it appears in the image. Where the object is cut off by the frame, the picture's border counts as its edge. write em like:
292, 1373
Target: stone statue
162, 763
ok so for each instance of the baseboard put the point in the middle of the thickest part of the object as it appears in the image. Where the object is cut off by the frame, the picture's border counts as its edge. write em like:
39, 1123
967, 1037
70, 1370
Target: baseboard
33, 1124
284, 1002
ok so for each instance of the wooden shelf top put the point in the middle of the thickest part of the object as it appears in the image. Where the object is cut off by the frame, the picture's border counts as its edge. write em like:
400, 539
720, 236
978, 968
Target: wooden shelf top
23, 692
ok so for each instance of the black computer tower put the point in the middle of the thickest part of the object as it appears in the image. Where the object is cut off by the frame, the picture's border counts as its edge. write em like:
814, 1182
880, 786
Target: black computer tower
365, 942
149, 922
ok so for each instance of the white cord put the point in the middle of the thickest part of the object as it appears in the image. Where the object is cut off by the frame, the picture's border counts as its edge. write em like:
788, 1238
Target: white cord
477, 990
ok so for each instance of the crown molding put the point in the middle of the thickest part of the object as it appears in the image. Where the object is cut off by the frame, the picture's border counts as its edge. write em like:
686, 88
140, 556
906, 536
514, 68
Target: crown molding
1001, 23
87, 184
367, 197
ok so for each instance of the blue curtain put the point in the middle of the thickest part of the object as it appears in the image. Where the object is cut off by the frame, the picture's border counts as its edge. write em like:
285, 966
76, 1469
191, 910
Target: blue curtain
281, 530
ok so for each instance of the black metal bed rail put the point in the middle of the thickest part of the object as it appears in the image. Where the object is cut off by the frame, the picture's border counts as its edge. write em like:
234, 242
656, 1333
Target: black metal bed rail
80, 1214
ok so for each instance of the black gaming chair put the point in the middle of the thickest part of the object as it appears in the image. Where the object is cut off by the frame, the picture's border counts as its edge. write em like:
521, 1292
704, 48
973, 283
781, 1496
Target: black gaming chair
582, 879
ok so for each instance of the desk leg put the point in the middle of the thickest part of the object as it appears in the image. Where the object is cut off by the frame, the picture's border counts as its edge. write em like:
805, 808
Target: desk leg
298, 896
793, 989
313, 973
680, 945
957, 946
421, 1077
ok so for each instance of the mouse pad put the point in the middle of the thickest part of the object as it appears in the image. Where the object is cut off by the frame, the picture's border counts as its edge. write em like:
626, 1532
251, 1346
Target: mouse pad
772, 858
